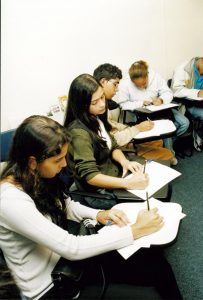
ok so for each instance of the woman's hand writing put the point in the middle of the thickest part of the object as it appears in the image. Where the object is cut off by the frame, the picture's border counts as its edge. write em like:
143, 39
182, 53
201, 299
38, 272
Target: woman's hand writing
131, 166
147, 222
138, 181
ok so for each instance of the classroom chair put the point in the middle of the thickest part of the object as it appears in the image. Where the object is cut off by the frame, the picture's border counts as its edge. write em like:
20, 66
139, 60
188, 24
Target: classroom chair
5, 141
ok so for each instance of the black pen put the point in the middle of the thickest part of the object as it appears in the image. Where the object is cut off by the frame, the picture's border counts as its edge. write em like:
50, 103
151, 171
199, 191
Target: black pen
148, 208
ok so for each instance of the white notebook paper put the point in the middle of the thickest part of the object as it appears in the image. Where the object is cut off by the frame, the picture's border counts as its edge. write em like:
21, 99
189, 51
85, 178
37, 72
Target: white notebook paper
159, 175
152, 107
160, 127
172, 214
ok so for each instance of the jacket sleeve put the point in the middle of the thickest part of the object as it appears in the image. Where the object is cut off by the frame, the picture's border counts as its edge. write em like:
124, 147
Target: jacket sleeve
164, 92
124, 99
19, 214
122, 133
178, 85
82, 152
124, 136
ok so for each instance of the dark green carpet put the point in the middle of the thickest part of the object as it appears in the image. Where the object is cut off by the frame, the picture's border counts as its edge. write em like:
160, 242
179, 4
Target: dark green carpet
186, 254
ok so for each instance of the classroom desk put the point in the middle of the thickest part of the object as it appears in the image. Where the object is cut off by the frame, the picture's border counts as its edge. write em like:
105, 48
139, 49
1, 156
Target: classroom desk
164, 194
143, 113
153, 138
189, 102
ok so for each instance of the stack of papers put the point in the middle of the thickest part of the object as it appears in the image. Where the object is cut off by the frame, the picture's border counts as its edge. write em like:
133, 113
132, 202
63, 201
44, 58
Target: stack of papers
160, 127
159, 175
172, 214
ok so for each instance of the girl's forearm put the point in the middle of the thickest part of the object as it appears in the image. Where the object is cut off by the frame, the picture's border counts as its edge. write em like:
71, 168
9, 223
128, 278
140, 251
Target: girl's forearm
118, 156
105, 181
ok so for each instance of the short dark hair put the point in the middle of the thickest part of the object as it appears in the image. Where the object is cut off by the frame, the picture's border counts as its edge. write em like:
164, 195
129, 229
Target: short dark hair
107, 71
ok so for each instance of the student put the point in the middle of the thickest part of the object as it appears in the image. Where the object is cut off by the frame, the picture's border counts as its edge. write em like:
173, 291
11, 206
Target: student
187, 82
143, 87
109, 77
34, 209
94, 157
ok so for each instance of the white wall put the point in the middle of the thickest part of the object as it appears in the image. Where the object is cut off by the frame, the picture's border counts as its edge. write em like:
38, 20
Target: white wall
46, 43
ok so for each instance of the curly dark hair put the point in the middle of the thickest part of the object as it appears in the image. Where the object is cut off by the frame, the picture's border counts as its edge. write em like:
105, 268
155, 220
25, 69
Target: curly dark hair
40, 137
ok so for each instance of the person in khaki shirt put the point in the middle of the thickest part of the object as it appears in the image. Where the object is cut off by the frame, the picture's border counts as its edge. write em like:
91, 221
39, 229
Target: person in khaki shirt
109, 77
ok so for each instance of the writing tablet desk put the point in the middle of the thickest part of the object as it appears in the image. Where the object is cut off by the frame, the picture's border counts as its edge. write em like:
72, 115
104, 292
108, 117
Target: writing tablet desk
143, 113
189, 102
164, 194
153, 138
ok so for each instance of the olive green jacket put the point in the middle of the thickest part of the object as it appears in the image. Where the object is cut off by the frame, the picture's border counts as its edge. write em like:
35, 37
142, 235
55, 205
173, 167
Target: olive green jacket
86, 159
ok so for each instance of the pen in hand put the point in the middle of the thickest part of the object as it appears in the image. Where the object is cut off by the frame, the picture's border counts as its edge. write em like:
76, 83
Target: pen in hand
147, 198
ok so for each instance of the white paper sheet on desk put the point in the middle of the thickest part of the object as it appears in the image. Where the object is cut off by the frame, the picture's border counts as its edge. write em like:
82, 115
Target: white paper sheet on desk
161, 107
172, 213
196, 98
160, 127
159, 175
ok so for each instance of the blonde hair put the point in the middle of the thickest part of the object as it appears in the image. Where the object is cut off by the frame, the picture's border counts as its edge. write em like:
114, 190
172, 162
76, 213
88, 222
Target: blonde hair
138, 69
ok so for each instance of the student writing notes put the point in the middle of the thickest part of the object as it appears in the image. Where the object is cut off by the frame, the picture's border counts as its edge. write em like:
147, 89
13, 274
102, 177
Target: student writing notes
34, 210
94, 157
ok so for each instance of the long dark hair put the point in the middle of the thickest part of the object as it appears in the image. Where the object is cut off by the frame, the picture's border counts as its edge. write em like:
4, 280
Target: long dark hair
41, 137
79, 98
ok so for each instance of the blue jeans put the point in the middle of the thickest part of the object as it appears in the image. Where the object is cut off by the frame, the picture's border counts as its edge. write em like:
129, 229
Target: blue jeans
196, 112
181, 122
168, 143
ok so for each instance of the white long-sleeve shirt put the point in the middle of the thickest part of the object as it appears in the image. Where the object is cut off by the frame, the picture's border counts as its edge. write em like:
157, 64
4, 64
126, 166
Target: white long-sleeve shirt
130, 97
32, 244
182, 76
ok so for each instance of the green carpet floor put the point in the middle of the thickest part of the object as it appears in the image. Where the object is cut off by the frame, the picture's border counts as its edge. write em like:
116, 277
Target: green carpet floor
186, 254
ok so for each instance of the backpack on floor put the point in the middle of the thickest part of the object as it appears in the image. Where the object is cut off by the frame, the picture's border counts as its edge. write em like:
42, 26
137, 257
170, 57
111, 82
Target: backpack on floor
198, 134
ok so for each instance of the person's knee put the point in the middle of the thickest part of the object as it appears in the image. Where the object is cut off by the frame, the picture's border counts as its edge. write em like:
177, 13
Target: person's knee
186, 123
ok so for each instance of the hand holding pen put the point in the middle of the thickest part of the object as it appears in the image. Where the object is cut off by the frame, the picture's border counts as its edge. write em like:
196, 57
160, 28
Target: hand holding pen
145, 125
146, 223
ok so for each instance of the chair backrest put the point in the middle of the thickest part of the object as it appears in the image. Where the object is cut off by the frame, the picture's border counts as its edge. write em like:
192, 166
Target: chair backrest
169, 81
5, 141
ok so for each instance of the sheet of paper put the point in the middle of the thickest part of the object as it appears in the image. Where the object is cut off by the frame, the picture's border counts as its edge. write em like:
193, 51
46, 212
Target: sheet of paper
196, 98
159, 175
160, 127
161, 107
172, 213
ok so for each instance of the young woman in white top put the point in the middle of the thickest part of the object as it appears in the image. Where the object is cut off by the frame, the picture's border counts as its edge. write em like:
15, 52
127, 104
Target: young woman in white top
33, 211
